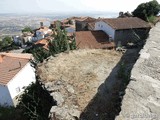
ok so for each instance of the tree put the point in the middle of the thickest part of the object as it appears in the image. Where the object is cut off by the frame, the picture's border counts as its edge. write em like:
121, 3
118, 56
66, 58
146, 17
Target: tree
7, 41
147, 10
38, 52
61, 42
6, 44
27, 29
36, 102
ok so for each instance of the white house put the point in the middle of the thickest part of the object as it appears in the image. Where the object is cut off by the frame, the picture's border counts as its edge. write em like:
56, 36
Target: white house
16, 73
17, 40
124, 30
101, 25
43, 32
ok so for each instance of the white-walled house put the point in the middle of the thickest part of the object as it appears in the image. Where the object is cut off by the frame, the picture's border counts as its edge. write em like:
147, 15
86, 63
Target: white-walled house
124, 30
16, 73
17, 40
101, 25
43, 32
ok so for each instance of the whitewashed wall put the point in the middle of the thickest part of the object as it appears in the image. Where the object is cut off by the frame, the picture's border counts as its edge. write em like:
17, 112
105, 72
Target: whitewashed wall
5, 98
25, 77
106, 28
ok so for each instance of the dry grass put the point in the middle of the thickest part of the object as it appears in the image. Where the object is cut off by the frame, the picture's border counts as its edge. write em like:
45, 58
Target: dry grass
85, 70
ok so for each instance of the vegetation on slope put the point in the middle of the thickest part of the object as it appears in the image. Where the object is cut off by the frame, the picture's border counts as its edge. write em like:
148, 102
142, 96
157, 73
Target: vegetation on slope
35, 104
27, 29
147, 11
7, 44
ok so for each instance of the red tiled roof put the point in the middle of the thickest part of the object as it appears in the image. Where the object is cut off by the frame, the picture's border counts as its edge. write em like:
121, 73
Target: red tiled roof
43, 42
126, 23
91, 25
93, 40
86, 19
11, 64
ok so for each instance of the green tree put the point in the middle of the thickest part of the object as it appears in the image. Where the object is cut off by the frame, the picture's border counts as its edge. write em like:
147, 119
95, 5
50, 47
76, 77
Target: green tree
39, 53
27, 29
61, 42
7, 44
147, 10
7, 41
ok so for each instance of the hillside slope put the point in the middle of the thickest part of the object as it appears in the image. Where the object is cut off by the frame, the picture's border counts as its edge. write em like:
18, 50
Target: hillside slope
73, 78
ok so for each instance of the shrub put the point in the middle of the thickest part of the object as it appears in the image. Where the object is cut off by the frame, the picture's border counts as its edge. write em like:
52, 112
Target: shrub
36, 102
10, 113
27, 29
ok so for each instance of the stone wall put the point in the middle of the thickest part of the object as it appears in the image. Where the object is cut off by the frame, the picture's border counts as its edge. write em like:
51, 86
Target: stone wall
142, 96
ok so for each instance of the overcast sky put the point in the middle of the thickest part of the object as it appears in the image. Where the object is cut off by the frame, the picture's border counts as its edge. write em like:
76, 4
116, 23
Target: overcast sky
39, 6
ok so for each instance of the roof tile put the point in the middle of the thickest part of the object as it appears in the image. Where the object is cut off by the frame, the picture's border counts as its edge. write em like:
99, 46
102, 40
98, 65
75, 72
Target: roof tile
126, 23
93, 40
11, 64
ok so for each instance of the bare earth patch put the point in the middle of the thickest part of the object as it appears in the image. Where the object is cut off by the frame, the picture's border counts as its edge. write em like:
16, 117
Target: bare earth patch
79, 73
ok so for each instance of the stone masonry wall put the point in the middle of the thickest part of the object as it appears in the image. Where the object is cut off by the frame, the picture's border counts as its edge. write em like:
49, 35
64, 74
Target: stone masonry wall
142, 98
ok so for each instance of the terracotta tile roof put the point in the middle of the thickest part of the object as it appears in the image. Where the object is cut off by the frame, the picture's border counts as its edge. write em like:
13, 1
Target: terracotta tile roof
44, 42
91, 25
93, 40
11, 64
86, 19
44, 29
126, 23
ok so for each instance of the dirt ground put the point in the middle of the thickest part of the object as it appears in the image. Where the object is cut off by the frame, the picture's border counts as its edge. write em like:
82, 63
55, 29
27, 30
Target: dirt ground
83, 70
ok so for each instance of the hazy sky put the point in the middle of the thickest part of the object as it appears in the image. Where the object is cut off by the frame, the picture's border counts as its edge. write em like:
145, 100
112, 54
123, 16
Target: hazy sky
38, 6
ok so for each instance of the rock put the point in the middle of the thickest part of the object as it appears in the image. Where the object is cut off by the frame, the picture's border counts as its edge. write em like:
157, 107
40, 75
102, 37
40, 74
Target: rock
63, 113
75, 113
57, 96
70, 89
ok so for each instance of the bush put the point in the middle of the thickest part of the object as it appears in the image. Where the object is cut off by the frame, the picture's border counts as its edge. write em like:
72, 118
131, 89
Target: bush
7, 44
10, 113
36, 102
152, 19
38, 53
27, 29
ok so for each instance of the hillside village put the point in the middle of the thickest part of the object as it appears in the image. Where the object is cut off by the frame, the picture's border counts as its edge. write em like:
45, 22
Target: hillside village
108, 32
84, 63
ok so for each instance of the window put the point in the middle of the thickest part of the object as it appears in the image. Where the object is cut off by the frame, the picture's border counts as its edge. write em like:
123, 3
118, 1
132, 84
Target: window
18, 89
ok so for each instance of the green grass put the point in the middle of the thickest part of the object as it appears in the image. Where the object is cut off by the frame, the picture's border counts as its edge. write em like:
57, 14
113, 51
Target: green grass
152, 19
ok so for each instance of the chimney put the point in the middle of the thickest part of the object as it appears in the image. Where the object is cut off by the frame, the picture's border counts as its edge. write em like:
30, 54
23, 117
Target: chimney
1, 58
41, 24
121, 14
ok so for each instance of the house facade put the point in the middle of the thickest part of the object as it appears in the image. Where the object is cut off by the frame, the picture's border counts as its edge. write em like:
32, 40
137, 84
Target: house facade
43, 32
124, 30
101, 25
17, 40
82, 24
16, 74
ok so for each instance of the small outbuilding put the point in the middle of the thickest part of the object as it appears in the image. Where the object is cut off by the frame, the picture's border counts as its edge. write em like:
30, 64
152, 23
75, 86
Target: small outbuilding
82, 24
124, 30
